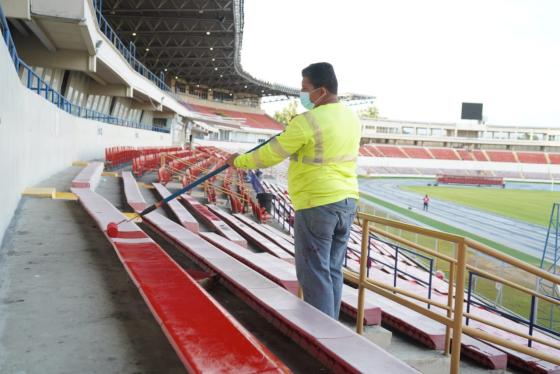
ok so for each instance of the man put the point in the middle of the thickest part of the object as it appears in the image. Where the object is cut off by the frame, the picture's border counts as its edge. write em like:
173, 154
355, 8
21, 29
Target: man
322, 144
426, 202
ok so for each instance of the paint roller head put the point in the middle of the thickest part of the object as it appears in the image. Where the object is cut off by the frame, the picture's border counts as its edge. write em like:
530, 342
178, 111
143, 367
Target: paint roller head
112, 230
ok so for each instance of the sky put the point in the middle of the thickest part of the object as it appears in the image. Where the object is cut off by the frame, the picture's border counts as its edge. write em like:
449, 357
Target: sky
420, 59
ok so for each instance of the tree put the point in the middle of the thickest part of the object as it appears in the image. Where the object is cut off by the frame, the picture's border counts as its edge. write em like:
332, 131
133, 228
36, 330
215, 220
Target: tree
370, 112
285, 115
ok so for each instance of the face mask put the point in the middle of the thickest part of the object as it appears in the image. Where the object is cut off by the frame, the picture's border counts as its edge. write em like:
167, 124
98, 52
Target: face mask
306, 100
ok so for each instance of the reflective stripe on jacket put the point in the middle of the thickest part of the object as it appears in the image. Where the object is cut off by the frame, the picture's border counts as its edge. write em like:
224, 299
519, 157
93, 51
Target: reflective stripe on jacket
323, 148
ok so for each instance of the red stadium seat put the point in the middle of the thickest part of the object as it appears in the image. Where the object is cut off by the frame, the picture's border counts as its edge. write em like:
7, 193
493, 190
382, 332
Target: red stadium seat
391, 151
444, 153
532, 157
416, 152
501, 156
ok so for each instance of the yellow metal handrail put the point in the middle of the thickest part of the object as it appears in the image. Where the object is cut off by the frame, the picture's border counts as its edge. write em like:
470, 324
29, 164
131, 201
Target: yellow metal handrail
454, 310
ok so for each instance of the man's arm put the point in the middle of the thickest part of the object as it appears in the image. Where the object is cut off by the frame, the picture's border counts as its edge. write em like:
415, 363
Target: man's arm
279, 148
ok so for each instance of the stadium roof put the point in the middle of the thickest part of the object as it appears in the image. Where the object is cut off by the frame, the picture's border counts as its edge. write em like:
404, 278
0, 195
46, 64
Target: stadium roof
196, 40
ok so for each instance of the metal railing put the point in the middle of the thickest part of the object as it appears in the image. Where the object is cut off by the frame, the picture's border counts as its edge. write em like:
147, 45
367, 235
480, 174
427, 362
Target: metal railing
530, 322
451, 314
128, 52
35, 83
283, 213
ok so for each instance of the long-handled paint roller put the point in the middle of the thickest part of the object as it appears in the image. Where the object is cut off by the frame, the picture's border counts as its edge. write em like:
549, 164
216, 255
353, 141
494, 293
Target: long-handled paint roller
113, 228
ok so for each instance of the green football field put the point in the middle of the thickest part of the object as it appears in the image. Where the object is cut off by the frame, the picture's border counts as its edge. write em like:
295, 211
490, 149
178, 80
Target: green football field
526, 205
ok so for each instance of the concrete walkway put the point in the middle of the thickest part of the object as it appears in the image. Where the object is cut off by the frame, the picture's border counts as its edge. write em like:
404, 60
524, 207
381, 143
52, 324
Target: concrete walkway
66, 304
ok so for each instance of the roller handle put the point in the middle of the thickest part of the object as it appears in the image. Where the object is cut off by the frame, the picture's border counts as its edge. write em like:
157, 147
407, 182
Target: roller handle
203, 179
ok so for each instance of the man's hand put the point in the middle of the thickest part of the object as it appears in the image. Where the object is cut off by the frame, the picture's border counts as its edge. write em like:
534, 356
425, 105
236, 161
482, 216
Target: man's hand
231, 158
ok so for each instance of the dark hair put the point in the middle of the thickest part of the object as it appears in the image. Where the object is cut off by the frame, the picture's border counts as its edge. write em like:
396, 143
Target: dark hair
321, 74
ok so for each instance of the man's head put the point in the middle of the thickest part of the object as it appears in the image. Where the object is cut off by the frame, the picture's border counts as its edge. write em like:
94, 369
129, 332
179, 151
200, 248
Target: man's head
319, 81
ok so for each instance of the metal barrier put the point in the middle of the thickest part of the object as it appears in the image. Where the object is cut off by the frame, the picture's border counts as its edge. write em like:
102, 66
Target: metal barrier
129, 53
35, 83
284, 214
451, 314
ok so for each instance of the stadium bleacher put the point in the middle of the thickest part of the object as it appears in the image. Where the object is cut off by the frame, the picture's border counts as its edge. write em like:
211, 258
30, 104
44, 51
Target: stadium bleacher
254, 120
501, 156
554, 158
391, 151
373, 150
444, 153
465, 154
417, 152
339, 348
532, 158
459, 154
528, 162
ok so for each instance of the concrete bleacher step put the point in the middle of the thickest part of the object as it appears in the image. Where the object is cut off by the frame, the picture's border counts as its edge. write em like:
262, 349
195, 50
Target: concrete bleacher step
89, 177
378, 335
181, 213
267, 233
204, 336
204, 278
134, 196
274, 230
205, 215
342, 349
423, 360
275, 269
251, 235
284, 274
338, 347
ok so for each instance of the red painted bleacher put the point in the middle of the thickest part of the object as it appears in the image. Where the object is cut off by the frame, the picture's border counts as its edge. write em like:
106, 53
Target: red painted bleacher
205, 337
554, 158
181, 213
501, 156
416, 152
363, 152
89, 177
338, 347
391, 151
532, 157
202, 213
479, 155
466, 154
372, 150
444, 153
470, 180
254, 120
119, 155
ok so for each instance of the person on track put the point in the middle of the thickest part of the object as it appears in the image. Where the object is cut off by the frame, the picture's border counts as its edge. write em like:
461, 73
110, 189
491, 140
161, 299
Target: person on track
426, 201
323, 145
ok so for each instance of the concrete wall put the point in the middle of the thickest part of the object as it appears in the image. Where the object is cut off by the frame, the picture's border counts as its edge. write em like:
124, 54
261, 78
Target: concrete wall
73, 9
37, 139
16, 8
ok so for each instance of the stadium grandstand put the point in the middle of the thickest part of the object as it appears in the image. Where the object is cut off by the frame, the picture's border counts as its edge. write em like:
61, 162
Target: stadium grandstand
109, 107
467, 147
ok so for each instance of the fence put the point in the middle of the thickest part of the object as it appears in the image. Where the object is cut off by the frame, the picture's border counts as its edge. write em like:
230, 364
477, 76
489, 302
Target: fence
453, 314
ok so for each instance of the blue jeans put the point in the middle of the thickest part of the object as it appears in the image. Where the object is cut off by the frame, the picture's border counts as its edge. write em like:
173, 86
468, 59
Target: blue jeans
321, 239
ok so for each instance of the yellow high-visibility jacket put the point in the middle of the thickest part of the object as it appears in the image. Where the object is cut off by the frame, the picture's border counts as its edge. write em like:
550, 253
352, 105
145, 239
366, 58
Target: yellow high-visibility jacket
323, 148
